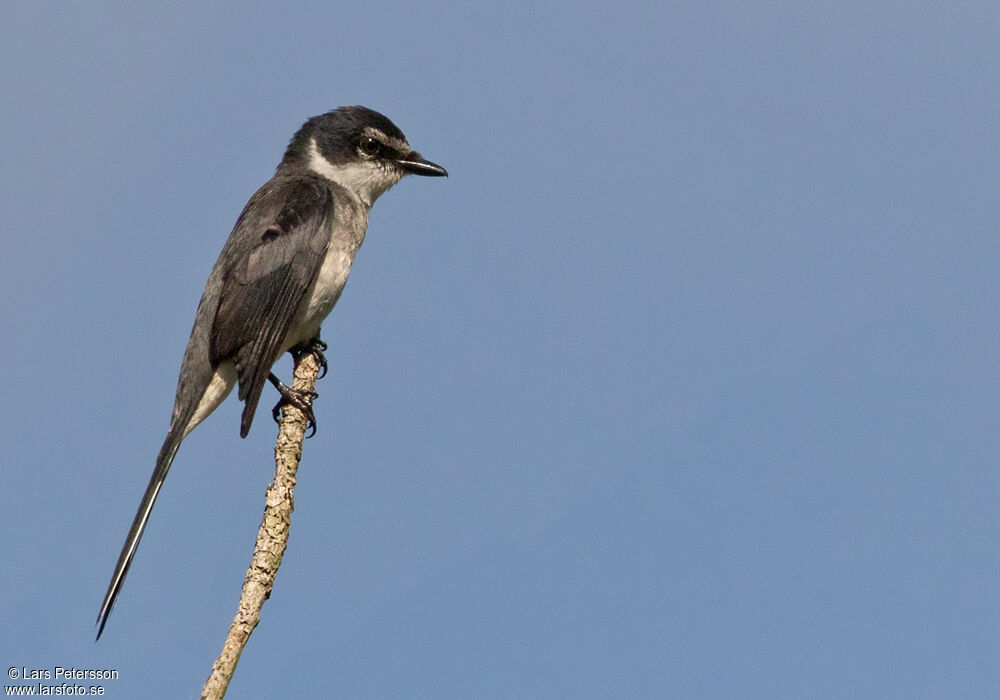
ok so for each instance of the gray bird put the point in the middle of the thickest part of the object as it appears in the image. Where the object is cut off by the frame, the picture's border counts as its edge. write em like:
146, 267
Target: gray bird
278, 276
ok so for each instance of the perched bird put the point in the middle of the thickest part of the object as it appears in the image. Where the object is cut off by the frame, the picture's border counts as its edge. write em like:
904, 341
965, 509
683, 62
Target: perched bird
278, 276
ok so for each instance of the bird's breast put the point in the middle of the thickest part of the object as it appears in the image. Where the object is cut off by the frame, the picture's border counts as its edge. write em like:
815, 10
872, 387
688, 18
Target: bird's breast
324, 293
347, 236
331, 279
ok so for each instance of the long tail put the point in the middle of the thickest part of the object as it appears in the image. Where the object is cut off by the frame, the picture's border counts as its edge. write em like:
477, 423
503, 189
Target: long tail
163, 462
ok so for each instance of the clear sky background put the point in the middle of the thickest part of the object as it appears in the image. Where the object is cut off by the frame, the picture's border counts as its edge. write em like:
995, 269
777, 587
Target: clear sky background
684, 384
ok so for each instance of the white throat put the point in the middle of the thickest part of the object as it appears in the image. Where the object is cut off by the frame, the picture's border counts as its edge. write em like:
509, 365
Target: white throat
366, 179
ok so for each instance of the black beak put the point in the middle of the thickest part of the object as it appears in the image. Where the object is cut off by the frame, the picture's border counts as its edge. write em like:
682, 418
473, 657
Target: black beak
416, 164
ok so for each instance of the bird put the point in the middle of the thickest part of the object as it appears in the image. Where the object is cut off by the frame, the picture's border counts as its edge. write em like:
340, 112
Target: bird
279, 274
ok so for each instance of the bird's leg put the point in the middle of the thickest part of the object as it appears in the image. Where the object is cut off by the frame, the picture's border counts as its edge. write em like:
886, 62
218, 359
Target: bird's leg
302, 400
316, 347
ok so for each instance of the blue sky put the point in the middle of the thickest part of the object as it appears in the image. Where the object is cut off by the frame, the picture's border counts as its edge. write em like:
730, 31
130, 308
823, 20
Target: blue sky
684, 383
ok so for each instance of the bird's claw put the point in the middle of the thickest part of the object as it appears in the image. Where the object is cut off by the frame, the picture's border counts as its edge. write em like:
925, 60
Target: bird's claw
316, 348
301, 400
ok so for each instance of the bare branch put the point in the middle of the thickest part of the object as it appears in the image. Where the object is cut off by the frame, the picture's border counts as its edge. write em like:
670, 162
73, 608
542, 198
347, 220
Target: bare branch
272, 538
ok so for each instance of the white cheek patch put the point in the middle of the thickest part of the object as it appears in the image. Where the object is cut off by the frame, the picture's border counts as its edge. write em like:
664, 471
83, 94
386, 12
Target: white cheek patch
367, 179
321, 166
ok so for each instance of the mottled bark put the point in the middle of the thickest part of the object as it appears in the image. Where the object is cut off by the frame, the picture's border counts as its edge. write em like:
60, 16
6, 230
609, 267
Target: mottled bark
272, 538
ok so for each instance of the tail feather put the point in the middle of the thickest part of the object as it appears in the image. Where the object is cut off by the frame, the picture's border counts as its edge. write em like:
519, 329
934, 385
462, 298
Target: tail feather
163, 462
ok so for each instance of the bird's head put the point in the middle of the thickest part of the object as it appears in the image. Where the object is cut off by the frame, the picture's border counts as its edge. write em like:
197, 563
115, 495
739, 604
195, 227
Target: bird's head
357, 148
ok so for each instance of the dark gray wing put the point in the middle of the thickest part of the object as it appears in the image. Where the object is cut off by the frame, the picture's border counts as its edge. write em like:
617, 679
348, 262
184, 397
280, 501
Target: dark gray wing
276, 250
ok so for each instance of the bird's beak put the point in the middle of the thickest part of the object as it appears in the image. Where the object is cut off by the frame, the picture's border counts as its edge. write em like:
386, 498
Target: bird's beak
416, 164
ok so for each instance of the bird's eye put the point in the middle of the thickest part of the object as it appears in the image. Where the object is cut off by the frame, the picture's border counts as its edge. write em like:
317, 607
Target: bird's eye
369, 146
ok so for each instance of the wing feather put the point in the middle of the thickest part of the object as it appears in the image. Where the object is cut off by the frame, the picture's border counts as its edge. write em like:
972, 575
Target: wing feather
277, 250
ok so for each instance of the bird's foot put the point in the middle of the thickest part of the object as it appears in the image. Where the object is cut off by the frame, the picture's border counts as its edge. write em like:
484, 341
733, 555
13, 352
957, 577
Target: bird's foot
316, 348
302, 400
